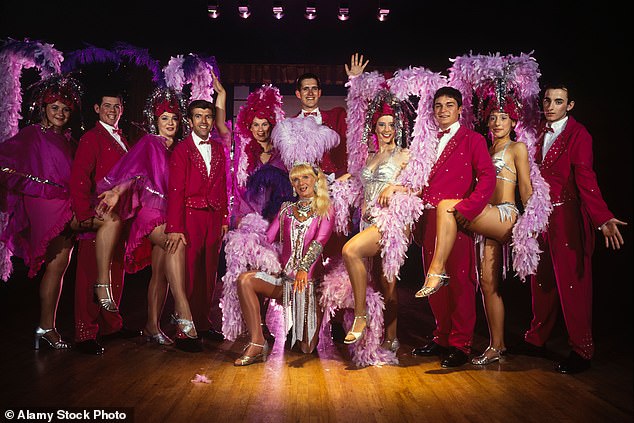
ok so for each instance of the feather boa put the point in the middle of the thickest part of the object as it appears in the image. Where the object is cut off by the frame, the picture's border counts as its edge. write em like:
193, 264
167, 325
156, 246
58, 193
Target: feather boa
362, 90
403, 211
303, 140
336, 293
522, 73
246, 249
192, 69
345, 195
15, 56
6, 266
423, 84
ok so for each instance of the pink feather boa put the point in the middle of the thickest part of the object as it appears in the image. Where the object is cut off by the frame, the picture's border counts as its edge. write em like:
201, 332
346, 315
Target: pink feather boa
303, 140
246, 248
345, 195
336, 293
522, 72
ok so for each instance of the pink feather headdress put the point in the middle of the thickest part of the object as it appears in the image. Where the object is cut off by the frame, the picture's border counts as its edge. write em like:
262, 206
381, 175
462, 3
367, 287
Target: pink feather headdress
263, 103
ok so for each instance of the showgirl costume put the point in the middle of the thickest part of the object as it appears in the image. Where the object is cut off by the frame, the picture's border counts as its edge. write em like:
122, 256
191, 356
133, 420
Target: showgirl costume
302, 242
35, 166
35, 172
259, 187
143, 172
374, 181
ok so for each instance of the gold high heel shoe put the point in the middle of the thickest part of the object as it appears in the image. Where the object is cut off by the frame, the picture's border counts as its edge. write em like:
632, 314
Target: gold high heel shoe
485, 359
41, 334
246, 360
426, 291
353, 336
108, 303
392, 345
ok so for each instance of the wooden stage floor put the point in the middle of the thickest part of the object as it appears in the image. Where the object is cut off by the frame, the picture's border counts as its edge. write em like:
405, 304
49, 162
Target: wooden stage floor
153, 384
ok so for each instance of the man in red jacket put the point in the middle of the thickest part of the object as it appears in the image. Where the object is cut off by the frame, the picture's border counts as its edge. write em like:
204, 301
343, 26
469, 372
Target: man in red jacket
99, 149
564, 274
197, 213
463, 169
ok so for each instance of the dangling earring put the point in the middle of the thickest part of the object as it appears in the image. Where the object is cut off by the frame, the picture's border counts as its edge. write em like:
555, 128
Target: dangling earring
315, 188
294, 192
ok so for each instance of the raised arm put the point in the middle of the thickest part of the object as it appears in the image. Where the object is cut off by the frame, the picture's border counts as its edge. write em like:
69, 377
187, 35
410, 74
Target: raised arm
357, 65
221, 107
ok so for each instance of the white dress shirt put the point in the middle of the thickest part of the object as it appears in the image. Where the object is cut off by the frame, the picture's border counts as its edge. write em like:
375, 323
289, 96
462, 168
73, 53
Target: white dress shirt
442, 143
205, 150
116, 136
550, 137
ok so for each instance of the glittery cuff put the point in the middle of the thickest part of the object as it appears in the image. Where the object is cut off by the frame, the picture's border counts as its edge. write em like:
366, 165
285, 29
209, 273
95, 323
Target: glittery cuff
314, 251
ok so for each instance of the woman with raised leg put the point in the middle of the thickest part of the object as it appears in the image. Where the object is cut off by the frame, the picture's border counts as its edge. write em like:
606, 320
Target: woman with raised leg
499, 110
388, 155
303, 228
137, 187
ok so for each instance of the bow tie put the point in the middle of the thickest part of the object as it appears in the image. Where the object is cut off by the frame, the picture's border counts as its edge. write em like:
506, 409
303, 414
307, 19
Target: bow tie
117, 131
440, 134
310, 114
548, 129
205, 142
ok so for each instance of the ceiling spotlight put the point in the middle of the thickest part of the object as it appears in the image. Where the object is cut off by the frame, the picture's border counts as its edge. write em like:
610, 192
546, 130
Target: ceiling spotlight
212, 10
344, 11
383, 11
278, 10
243, 9
311, 10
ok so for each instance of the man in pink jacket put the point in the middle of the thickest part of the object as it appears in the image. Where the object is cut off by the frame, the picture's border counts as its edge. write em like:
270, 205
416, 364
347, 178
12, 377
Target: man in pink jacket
99, 149
197, 213
564, 275
463, 169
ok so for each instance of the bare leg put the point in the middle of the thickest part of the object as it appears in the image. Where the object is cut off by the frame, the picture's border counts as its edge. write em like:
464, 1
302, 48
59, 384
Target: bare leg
249, 290
390, 297
493, 304
158, 286
364, 244
107, 237
57, 259
175, 274
309, 347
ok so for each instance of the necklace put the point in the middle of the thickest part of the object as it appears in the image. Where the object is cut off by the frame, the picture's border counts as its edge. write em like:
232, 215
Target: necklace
304, 207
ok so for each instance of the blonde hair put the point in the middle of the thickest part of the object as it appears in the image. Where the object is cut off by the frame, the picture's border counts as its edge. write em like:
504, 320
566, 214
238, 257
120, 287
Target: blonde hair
321, 200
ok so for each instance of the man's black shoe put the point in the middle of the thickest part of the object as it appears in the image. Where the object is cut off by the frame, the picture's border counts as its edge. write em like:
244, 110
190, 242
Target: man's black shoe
430, 349
91, 346
123, 333
526, 348
212, 335
192, 345
573, 364
455, 358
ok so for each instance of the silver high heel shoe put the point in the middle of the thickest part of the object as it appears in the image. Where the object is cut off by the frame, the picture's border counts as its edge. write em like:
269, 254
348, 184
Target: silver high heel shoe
246, 360
426, 291
392, 345
485, 359
185, 326
353, 336
41, 334
108, 303
160, 338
